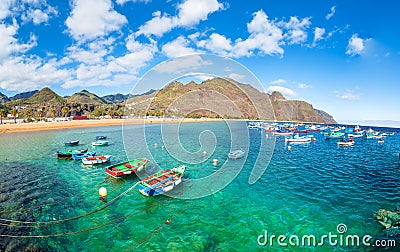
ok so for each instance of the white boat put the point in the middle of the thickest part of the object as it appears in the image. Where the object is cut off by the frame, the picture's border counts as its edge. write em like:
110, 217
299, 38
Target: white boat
356, 135
281, 133
298, 139
346, 143
100, 143
96, 160
236, 154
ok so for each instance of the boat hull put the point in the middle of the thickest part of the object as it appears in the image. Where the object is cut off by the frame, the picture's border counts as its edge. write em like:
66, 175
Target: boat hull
96, 160
127, 168
161, 182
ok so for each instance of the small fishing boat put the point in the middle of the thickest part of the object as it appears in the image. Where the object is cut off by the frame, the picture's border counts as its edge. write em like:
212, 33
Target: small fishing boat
96, 160
236, 154
298, 139
68, 154
100, 137
79, 156
127, 168
72, 143
282, 133
161, 182
355, 135
346, 142
100, 143
333, 135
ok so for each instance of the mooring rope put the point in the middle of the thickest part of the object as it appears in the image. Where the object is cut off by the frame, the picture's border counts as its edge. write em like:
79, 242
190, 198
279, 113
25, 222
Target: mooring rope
147, 237
21, 210
87, 229
52, 222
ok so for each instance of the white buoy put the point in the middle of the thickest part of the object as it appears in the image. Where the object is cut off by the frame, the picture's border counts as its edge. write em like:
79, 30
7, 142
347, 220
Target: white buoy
289, 147
204, 153
162, 147
215, 162
155, 145
103, 192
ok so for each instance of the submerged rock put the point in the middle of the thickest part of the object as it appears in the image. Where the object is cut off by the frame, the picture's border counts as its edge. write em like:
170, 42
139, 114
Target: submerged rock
388, 219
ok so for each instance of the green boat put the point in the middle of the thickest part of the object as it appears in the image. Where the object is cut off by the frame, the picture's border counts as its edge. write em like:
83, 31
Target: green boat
126, 168
334, 135
68, 154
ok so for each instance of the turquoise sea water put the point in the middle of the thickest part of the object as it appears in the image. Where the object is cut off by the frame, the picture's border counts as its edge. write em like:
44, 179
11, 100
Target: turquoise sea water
308, 190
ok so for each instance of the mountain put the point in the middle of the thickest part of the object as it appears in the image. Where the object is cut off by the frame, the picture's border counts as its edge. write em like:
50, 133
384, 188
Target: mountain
224, 98
44, 96
119, 98
23, 95
85, 96
115, 98
3, 98
327, 117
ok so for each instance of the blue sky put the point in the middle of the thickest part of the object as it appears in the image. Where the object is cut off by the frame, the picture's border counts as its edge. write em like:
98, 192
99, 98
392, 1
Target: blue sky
341, 56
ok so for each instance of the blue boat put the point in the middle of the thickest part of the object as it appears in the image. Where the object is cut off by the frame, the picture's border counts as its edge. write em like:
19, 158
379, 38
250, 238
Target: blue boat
100, 137
236, 154
161, 182
72, 143
79, 156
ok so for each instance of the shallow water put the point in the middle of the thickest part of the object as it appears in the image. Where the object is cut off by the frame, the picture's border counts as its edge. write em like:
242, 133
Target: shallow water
308, 190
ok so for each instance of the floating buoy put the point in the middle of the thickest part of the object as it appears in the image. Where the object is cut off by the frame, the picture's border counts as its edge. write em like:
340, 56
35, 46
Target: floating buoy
162, 147
204, 153
155, 145
215, 162
314, 139
289, 147
103, 192
167, 222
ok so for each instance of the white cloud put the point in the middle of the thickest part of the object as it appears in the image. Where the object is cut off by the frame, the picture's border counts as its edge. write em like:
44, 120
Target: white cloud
348, 95
356, 45
121, 2
265, 36
283, 90
90, 19
23, 74
217, 44
297, 30
330, 14
158, 25
5, 8
178, 47
236, 77
304, 86
190, 13
113, 71
38, 16
180, 65
318, 34
9, 45
278, 81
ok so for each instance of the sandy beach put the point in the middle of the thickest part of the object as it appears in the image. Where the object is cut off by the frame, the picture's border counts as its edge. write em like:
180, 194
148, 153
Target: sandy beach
38, 126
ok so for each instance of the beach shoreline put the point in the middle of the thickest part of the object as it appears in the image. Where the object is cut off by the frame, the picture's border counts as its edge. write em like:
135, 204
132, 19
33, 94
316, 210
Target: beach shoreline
43, 126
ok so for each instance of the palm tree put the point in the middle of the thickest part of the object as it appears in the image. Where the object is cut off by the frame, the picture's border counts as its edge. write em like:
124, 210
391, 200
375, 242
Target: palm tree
53, 113
14, 113
28, 113
3, 113
64, 111
40, 113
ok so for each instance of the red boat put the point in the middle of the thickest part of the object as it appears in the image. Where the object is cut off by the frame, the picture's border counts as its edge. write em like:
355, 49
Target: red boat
126, 168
